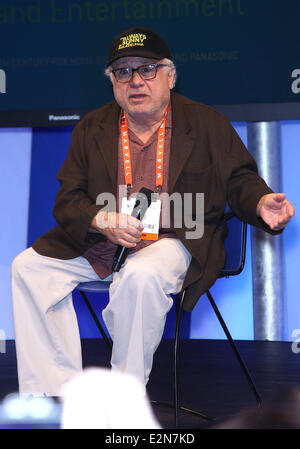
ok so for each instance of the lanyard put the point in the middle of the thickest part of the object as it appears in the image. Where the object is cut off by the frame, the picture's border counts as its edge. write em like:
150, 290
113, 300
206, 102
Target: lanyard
159, 152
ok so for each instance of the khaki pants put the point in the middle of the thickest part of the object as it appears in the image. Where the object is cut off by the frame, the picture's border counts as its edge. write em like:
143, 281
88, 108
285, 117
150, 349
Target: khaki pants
46, 330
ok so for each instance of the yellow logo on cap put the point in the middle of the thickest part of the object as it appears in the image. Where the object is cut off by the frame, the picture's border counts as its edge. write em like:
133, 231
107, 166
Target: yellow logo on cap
132, 40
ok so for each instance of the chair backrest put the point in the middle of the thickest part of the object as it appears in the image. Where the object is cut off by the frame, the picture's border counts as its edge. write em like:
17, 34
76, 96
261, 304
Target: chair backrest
235, 245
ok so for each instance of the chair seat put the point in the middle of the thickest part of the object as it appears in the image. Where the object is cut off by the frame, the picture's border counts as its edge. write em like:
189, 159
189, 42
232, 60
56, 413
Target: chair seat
94, 286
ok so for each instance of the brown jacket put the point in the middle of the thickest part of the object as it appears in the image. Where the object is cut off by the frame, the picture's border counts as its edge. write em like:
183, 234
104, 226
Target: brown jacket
207, 156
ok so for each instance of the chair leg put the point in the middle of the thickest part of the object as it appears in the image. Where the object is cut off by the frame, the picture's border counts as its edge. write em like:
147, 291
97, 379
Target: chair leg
178, 407
98, 324
234, 348
177, 328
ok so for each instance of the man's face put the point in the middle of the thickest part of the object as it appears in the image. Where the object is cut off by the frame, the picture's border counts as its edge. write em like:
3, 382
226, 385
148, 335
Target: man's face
143, 98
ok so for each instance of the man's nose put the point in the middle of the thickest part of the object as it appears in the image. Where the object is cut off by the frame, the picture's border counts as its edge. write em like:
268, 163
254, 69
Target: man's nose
136, 79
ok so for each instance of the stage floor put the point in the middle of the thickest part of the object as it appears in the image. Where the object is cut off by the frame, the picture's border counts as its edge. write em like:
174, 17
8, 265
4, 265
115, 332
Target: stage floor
211, 380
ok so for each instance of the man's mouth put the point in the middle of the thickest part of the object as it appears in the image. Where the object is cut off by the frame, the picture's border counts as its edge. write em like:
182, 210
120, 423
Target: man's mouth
137, 96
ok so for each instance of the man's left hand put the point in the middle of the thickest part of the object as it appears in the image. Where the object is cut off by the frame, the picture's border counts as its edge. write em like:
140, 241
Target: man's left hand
275, 210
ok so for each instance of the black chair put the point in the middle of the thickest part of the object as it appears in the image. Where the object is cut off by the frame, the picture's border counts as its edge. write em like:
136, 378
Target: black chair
235, 245
95, 287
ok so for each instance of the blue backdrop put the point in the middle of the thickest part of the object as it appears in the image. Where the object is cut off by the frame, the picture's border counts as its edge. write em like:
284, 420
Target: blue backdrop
28, 187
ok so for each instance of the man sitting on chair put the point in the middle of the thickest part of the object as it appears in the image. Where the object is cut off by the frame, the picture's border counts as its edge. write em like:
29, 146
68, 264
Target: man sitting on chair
148, 137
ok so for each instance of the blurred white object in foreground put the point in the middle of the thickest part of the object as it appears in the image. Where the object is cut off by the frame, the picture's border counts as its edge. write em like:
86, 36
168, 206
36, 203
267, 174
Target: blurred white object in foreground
103, 399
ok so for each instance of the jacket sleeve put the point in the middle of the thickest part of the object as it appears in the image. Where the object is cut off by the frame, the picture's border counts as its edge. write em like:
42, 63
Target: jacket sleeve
74, 209
245, 187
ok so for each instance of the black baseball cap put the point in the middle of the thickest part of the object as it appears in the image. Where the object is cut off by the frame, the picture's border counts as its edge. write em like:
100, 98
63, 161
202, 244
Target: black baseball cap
138, 41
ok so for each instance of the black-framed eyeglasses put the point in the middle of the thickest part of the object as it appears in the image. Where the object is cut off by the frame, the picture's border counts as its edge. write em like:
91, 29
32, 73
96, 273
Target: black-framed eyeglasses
146, 72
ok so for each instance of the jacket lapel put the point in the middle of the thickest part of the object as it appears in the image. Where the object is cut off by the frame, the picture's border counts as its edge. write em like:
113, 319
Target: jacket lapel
107, 142
181, 143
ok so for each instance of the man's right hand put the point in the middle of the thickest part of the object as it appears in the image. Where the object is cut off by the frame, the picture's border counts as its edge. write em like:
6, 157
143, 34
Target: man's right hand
121, 229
